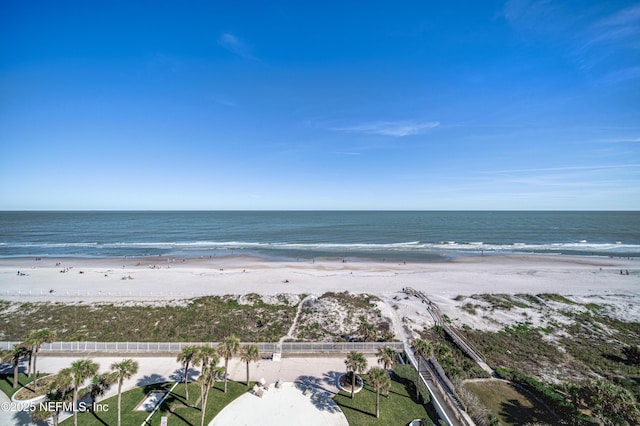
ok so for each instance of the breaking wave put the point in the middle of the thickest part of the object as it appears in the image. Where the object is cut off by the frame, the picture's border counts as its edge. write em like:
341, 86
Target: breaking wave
84, 249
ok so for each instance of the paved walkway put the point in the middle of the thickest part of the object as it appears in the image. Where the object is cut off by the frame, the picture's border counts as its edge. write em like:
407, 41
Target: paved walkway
317, 373
12, 418
287, 405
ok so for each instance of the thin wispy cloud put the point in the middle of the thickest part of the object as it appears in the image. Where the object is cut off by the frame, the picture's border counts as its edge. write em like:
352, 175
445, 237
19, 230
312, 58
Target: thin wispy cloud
564, 169
625, 18
621, 140
221, 100
527, 12
621, 75
620, 29
351, 153
234, 45
601, 41
390, 128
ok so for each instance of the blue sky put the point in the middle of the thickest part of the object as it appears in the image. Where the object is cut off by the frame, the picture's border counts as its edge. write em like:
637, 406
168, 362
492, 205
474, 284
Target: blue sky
515, 104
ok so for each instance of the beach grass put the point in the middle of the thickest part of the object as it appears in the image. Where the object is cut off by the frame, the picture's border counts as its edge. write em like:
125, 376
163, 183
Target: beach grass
520, 346
588, 346
592, 343
557, 298
205, 319
398, 409
456, 364
339, 316
501, 301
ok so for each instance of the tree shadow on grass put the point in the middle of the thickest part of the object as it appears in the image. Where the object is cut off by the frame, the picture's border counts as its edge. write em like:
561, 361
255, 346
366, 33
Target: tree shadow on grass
23, 379
353, 404
168, 407
514, 413
174, 402
97, 417
410, 389
218, 389
8, 379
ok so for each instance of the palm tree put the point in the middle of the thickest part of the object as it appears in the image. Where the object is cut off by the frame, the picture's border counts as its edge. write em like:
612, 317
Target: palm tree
100, 384
80, 371
185, 357
381, 381
28, 353
249, 353
41, 415
14, 356
355, 363
35, 339
123, 370
368, 330
58, 391
206, 380
204, 356
387, 356
227, 349
423, 349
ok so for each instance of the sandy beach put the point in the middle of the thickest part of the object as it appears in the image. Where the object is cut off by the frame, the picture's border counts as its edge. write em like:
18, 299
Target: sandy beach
147, 279
160, 280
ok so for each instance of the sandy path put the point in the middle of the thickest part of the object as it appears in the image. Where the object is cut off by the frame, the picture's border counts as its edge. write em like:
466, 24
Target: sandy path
289, 334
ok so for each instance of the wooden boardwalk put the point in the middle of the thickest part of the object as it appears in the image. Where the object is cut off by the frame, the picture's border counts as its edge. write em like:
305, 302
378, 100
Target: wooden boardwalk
438, 318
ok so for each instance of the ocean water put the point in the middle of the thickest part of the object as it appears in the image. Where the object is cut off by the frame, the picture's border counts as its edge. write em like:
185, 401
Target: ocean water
341, 234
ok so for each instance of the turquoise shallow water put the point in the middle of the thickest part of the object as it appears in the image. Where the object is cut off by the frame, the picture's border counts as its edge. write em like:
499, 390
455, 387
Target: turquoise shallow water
352, 234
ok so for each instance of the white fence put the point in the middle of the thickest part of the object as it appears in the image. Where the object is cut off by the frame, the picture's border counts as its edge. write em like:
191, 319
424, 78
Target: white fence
176, 347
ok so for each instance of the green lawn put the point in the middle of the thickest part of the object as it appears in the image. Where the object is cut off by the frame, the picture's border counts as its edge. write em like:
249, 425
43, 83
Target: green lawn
180, 413
399, 409
175, 407
511, 405
130, 400
6, 382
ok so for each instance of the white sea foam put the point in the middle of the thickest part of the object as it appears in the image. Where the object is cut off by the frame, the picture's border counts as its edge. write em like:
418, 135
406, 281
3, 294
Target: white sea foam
412, 246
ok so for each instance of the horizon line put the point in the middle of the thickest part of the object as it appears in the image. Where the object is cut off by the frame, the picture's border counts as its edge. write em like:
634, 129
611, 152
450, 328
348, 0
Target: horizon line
313, 210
